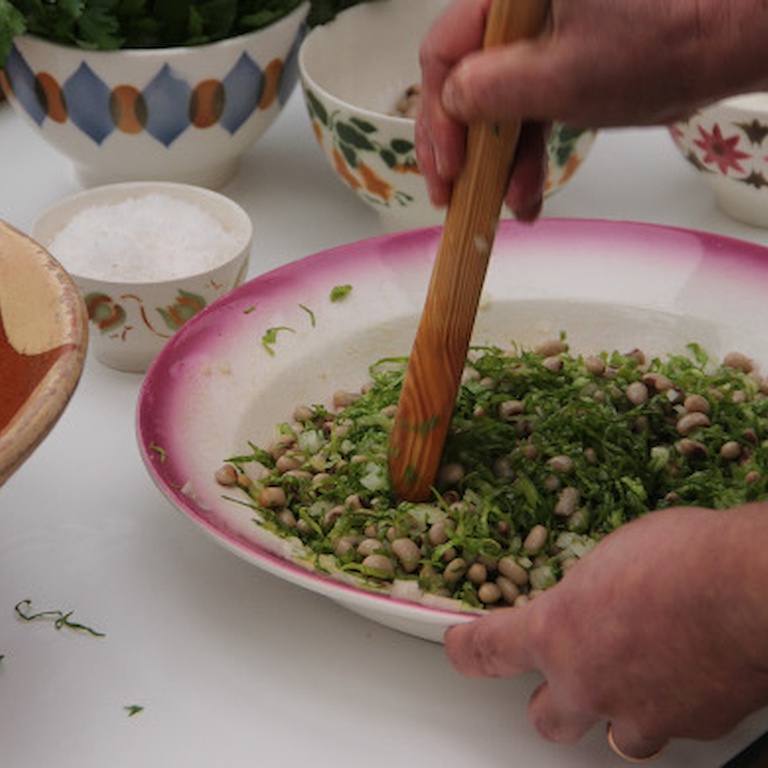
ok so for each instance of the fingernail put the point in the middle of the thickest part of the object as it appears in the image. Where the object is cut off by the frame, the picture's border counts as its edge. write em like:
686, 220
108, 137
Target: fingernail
450, 96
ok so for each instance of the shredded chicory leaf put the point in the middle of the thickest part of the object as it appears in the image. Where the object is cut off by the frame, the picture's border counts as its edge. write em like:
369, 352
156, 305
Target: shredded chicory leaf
546, 454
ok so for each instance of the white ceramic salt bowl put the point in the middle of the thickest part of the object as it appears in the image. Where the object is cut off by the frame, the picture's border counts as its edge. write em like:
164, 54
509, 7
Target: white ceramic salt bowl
184, 114
353, 72
132, 310
727, 144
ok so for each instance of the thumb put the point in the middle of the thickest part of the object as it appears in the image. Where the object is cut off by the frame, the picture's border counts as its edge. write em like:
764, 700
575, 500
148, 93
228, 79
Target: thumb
496, 645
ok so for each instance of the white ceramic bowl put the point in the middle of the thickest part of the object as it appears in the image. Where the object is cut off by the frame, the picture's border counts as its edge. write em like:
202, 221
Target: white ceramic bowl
727, 144
133, 312
659, 289
183, 114
353, 72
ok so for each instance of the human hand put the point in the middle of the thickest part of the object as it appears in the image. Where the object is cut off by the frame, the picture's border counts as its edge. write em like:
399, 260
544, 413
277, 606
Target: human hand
661, 630
601, 63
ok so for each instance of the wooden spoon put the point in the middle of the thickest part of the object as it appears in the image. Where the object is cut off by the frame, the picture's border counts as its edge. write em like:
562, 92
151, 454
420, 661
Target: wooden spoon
442, 339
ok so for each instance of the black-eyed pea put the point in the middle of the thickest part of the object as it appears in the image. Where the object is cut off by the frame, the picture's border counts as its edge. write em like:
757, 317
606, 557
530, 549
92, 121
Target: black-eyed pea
567, 563
489, 593
280, 445
303, 413
437, 533
332, 515
637, 393
407, 552
738, 361
286, 518
521, 600
298, 474
567, 501
321, 478
353, 501
477, 573
535, 540
552, 483
343, 399
455, 570
595, 365
510, 408
515, 572
688, 422
509, 590
691, 448
226, 475
561, 463
696, 404
369, 546
730, 450
344, 545
449, 554
638, 355
553, 363
450, 474
272, 497
287, 462
752, 477
658, 382
551, 347
380, 565
303, 526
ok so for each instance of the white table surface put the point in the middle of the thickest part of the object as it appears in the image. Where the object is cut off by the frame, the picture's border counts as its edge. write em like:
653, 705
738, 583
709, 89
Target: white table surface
232, 666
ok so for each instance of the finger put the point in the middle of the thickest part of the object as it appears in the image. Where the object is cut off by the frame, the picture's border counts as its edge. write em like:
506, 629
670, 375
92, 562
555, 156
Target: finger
511, 82
495, 645
554, 720
529, 173
440, 139
629, 743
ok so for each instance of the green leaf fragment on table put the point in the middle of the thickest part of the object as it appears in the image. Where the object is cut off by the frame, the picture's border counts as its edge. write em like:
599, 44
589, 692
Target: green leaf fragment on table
60, 619
133, 709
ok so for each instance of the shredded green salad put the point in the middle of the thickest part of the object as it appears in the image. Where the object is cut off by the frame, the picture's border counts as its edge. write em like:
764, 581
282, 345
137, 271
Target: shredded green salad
547, 453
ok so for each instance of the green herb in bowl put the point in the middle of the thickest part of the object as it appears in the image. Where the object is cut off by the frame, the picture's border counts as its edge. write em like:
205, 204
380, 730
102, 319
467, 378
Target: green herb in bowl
547, 453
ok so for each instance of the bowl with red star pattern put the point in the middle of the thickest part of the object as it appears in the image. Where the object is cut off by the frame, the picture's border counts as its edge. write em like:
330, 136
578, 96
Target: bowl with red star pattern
360, 78
727, 143
182, 114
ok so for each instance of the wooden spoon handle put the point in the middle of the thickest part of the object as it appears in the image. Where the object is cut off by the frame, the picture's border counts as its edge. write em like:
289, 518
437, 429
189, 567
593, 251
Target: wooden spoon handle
442, 339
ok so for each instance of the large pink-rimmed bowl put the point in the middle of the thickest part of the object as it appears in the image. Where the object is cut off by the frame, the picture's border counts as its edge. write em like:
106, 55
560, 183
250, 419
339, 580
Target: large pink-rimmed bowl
608, 285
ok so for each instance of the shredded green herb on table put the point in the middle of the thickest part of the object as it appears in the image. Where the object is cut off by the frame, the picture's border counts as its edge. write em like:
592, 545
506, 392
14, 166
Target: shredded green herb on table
547, 453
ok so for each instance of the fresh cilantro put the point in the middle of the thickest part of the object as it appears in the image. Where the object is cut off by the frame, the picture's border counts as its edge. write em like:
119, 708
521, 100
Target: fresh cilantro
133, 709
111, 24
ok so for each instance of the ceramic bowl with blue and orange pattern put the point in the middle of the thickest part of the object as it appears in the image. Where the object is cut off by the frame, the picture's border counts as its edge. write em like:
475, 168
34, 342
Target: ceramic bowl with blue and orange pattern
185, 114
727, 144
357, 74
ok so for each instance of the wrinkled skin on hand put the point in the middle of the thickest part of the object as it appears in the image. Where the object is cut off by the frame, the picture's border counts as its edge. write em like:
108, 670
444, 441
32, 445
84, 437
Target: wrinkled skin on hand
662, 630
600, 63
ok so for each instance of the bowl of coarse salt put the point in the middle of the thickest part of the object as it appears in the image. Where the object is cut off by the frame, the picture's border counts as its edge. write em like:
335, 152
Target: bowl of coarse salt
147, 256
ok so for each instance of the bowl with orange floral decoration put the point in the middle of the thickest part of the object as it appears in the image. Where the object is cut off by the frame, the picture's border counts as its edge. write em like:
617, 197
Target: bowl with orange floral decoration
359, 75
727, 143
147, 257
